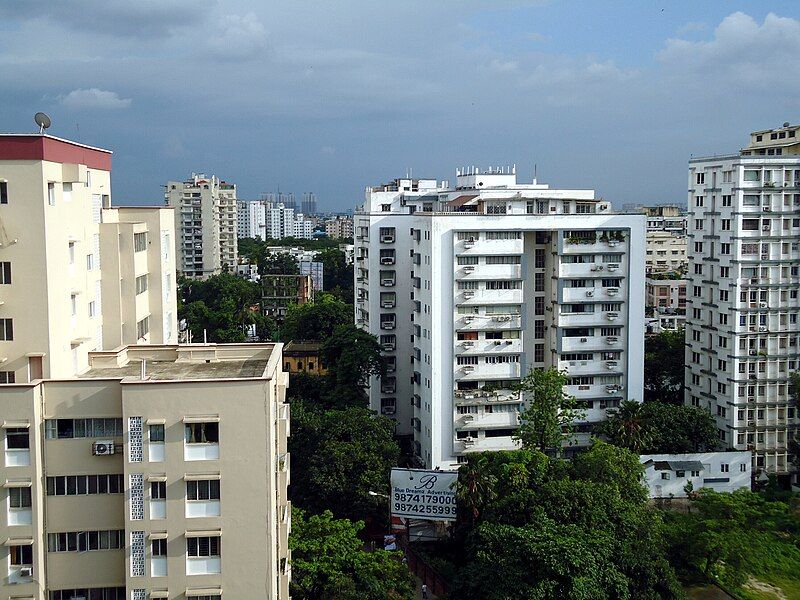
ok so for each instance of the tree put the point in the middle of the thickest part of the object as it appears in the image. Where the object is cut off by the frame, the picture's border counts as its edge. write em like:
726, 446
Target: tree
627, 426
278, 263
338, 457
338, 275
222, 306
352, 356
662, 428
475, 487
329, 562
664, 367
549, 413
315, 320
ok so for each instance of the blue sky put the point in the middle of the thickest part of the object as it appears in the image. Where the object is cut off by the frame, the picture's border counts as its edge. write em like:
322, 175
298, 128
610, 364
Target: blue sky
331, 97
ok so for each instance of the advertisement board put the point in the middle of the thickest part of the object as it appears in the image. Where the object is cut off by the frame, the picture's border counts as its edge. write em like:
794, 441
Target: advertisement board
429, 495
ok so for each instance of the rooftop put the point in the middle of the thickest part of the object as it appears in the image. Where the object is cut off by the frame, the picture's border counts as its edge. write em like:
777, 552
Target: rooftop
181, 362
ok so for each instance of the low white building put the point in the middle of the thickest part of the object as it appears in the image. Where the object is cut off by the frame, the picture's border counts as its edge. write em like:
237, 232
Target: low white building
666, 475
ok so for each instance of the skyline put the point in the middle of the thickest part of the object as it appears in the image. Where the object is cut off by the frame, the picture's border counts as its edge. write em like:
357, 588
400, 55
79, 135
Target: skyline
328, 99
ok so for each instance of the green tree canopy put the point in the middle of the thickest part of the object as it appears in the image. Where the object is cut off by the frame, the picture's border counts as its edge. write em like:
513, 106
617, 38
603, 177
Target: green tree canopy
279, 263
338, 457
316, 320
338, 275
329, 562
222, 305
352, 356
664, 357
660, 428
547, 419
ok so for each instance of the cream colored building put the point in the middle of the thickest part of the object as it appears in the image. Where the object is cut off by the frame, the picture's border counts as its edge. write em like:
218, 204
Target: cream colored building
205, 219
666, 251
75, 274
161, 473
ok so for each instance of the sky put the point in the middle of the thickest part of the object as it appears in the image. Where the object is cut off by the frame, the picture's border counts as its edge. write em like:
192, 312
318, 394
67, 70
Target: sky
330, 97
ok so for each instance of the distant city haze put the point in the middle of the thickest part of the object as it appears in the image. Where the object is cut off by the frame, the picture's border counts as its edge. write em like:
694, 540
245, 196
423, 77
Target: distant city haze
329, 98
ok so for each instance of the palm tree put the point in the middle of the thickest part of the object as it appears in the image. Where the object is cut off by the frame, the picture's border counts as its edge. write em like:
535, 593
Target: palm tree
627, 427
475, 487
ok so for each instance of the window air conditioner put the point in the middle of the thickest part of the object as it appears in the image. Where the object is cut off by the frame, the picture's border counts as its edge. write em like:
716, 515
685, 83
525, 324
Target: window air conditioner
26, 572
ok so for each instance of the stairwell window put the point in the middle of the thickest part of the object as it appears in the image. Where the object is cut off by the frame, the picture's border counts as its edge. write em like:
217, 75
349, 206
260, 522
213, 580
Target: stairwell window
6, 330
140, 242
141, 284
3, 192
143, 328
5, 273
51, 194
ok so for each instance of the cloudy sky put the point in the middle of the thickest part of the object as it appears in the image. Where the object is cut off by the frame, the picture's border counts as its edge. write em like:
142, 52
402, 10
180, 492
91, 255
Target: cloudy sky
332, 96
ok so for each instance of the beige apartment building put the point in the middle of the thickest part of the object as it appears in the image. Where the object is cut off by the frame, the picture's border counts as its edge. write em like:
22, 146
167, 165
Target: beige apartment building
161, 472
76, 275
665, 252
206, 224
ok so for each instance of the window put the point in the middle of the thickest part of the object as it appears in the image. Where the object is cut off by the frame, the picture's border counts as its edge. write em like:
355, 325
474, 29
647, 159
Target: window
156, 433
6, 330
207, 489
81, 485
17, 438
665, 475
158, 490
51, 194
140, 242
141, 285
700, 178
21, 555
502, 260
5, 273
202, 433
19, 497
724, 467
203, 546
143, 327
110, 593
82, 428
86, 541
3, 192
752, 175
92, 308
159, 547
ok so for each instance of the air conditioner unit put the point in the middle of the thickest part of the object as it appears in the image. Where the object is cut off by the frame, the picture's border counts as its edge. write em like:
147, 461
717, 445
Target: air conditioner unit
612, 315
468, 344
584, 387
469, 243
498, 342
469, 268
26, 572
765, 257
590, 293
468, 418
595, 268
388, 347
387, 260
762, 328
387, 282
468, 441
469, 294
753, 353
612, 364
751, 423
468, 368
387, 239
763, 305
612, 339
385, 304
753, 280
584, 340
767, 209
468, 319
612, 291
612, 267
103, 448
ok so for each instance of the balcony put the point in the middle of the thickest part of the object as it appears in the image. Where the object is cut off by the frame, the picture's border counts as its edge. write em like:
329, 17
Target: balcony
489, 272
482, 420
483, 297
490, 247
577, 295
494, 322
587, 344
484, 444
387, 239
387, 282
488, 371
467, 347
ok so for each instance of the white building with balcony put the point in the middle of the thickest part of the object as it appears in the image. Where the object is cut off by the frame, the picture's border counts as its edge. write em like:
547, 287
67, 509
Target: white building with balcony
742, 297
481, 282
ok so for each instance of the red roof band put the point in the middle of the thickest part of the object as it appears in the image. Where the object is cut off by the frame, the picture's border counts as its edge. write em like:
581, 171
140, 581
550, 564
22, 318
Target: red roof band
45, 147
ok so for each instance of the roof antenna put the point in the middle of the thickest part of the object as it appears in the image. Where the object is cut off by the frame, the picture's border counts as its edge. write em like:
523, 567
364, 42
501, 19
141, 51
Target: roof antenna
42, 120
534, 173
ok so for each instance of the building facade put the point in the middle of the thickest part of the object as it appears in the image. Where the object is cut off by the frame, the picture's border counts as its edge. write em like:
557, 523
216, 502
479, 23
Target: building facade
339, 227
742, 311
309, 204
667, 475
77, 274
481, 282
665, 252
251, 219
316, 270
133, 481
666, 294
206, 224
279, 291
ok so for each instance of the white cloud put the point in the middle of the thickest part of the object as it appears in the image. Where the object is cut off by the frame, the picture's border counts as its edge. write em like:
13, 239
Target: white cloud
503, 66
690, 28
93, 98
239, 38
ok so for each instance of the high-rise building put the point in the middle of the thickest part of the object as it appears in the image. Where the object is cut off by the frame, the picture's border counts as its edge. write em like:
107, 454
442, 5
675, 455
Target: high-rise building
481, 282
77, 274
339, 227
251, 219
160, 473
206, 224
665, 251
302, 228
309, 204
742, 311
280, 222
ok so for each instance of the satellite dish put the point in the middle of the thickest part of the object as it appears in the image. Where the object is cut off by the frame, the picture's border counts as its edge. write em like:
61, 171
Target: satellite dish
786, 124
42, 120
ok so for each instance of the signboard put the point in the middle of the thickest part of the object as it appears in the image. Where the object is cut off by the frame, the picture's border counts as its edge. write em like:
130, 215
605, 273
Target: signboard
419, 494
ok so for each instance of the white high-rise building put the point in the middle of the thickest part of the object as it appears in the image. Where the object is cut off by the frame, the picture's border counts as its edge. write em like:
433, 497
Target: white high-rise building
251, 219
481, 282
205, 219
303, 228
742, 310
76, 275
280, 222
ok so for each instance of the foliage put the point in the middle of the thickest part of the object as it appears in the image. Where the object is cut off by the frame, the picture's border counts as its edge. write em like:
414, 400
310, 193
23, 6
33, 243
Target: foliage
664, 367
337, 274
315, 320
659, 428
730, 537
352, 356
338, 457
549, 413
280, 263
222, 305
329, 562
548, 528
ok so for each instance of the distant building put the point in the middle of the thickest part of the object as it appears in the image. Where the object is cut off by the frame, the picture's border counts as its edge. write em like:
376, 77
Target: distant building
247, 270
317, 271
743, 313
279, 291
665, 252
279, 222
309, 204
668, 320
205, 223
303, 357
303, 228
251, 219
666, 475
663, 217
339, 227
666, 294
